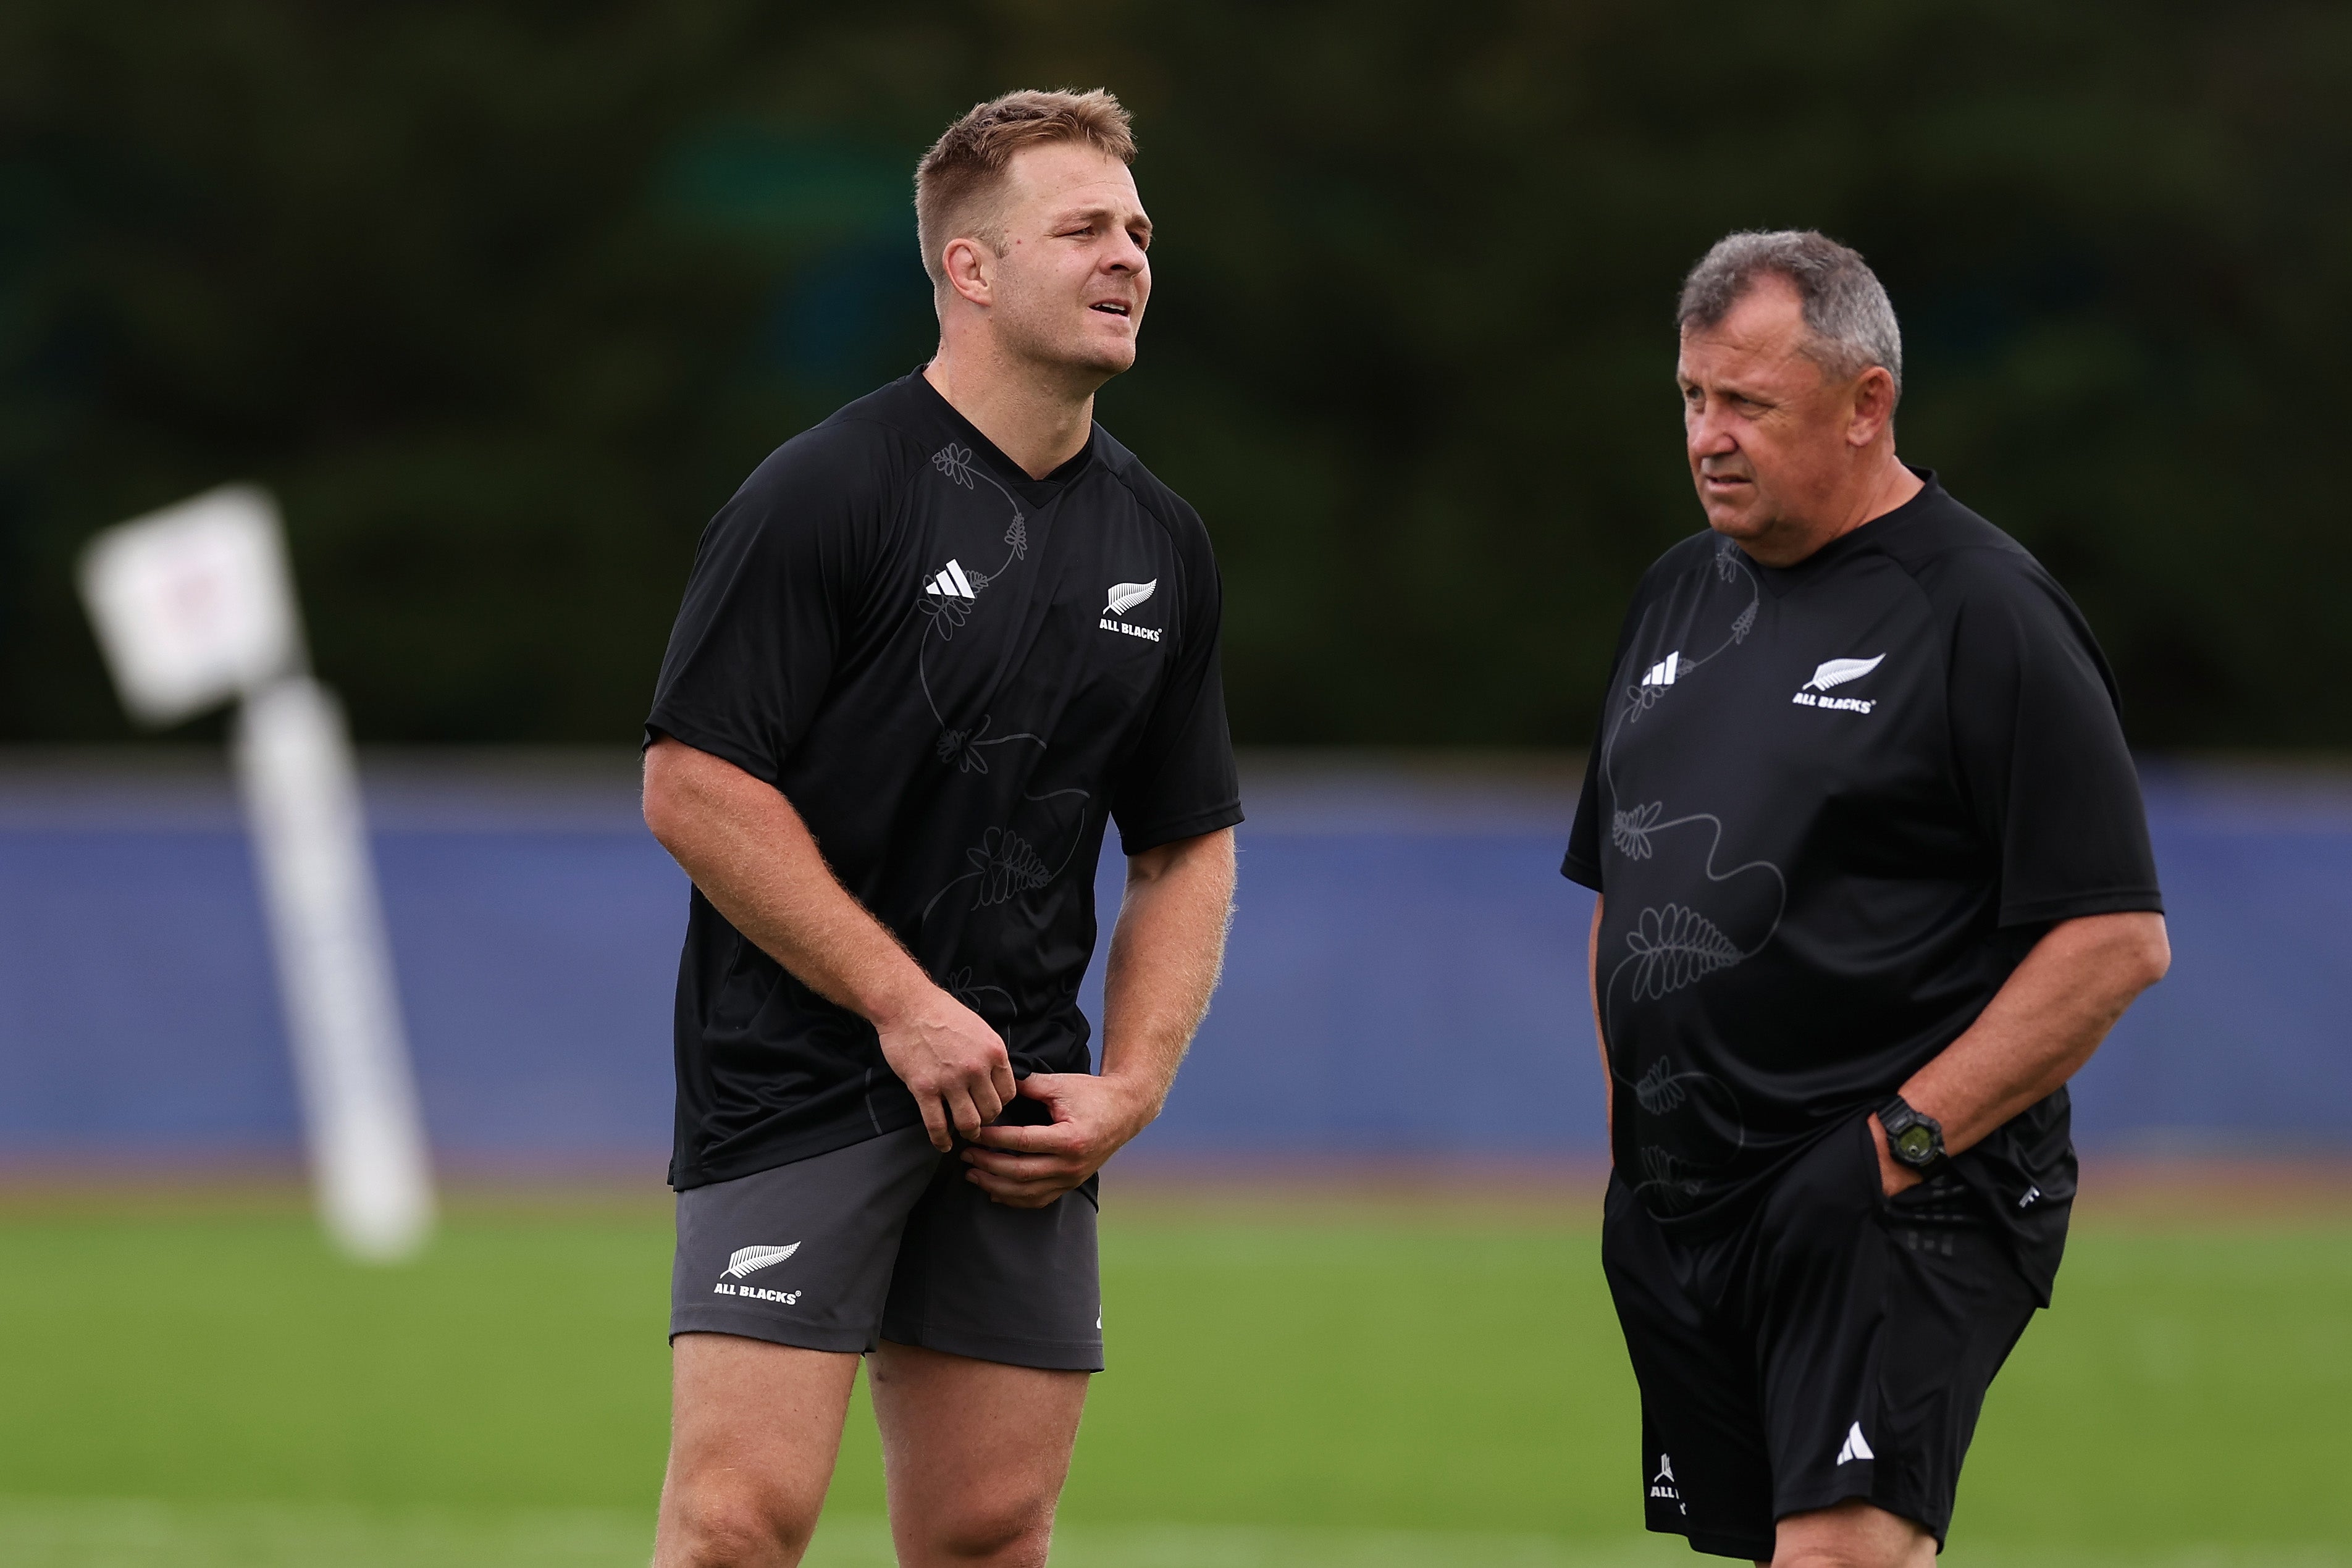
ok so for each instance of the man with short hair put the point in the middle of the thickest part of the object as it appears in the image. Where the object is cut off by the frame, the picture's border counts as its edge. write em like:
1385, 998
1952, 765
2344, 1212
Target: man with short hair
1874, 883
926, 652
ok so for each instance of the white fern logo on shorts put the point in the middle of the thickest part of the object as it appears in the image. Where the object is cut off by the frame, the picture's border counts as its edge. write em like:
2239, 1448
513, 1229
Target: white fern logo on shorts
748, 1259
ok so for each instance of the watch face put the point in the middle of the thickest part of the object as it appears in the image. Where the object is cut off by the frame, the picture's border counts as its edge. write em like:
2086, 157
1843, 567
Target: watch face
1915, 1144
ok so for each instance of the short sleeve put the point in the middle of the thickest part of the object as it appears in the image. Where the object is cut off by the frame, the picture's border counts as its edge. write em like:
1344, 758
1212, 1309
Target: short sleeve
2039, 743
1582, 864
1180, 782
762, 626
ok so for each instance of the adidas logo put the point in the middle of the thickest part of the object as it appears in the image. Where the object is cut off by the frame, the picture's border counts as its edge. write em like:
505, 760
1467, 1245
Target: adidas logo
1661, 673
1837, 672
747, 1261
1856, 1448
950, 583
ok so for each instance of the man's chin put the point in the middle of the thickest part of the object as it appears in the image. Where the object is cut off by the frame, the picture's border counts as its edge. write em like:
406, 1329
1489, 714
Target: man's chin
1109, 358
1098, 361
1740, 525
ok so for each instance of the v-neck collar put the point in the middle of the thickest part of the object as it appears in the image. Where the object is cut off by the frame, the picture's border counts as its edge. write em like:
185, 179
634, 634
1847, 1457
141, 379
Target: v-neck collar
1036, 492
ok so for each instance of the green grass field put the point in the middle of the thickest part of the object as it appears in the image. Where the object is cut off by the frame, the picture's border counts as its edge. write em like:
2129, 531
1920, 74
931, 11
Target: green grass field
1333, 1383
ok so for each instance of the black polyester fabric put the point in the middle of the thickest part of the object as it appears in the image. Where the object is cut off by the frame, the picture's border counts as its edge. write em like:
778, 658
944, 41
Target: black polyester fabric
1829, 809
1838, 1345
958, 676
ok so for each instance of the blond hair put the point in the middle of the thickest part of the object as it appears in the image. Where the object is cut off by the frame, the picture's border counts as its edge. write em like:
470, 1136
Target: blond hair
959, 179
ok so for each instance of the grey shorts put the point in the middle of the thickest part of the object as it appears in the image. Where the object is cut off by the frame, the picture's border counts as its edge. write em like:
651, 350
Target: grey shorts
885, 1240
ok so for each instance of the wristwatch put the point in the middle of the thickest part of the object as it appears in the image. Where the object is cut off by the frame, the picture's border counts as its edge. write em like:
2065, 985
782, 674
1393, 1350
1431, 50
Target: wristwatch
1913, 1137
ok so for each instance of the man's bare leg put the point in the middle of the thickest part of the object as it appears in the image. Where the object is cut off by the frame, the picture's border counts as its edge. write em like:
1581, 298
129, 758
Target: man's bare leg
1853, 1534
976, 1453
754, 1430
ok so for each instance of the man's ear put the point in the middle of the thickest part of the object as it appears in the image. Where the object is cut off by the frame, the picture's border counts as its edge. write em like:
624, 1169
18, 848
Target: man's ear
968, 266
1873, 406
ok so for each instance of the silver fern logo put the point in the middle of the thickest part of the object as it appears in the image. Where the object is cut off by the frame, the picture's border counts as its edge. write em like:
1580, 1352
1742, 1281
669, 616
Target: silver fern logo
1124, 597
1838, 671
745, 1261
1672, 948
1835, 673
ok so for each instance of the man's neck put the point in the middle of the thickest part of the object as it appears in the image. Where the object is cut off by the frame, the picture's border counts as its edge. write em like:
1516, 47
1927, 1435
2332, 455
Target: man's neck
1885, 486
1038, 424
1891, 486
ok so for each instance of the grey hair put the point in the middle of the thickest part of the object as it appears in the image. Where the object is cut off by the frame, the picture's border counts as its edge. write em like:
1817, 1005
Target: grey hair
1846, 308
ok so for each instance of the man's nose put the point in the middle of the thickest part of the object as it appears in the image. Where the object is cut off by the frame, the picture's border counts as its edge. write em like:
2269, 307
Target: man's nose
1125, 256
1707, 435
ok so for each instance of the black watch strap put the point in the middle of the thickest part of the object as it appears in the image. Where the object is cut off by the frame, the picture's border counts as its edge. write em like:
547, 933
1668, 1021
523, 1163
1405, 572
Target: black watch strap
1913, 1138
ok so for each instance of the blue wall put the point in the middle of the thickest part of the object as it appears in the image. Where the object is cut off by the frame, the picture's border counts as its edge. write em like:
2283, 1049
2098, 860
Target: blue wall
1404, 976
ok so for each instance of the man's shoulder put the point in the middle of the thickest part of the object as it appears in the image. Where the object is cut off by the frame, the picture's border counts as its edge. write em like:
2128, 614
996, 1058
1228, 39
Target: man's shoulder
1959, 563
1170, 510
859, 452
1974, 576
1954, 553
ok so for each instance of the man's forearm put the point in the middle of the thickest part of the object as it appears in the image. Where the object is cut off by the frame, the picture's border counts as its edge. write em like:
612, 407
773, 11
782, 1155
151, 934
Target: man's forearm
754, 858
1165, 953
2042, 1025
756, 862
1165, 956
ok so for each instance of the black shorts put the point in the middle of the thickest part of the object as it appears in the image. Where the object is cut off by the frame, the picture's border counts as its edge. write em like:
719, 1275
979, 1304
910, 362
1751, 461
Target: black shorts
886, 1239
1837, 1345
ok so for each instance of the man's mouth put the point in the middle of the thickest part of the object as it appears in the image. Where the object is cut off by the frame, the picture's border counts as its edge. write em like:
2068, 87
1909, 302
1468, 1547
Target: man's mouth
1110, 307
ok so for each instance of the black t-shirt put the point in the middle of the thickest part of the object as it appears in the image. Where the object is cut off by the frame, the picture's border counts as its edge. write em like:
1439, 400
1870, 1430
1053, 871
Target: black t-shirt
1830, 809
956, 675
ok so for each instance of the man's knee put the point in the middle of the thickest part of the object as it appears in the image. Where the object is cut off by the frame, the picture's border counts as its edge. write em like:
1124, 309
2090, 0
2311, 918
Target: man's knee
1856, 1554
1853, 1534
1001, 1533
722, 1526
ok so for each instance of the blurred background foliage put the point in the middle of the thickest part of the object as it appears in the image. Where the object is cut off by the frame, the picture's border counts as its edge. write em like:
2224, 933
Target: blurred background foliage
504, 297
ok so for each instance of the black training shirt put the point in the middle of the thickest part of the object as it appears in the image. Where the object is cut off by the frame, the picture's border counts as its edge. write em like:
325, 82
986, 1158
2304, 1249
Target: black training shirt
1830, 809
956, 675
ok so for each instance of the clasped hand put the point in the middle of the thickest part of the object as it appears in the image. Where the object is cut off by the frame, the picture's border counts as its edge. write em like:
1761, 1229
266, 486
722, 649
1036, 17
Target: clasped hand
952, 1062
1029, 1167
957, 1068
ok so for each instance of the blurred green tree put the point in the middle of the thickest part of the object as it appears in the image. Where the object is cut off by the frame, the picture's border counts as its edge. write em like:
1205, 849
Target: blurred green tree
506, 297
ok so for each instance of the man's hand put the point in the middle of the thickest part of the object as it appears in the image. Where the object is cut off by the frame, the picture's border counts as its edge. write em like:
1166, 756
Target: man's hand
1893, 1176
953, 1062
1029, 1167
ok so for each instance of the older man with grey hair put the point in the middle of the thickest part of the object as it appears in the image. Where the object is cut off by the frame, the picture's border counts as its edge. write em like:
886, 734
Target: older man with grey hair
1875, 882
